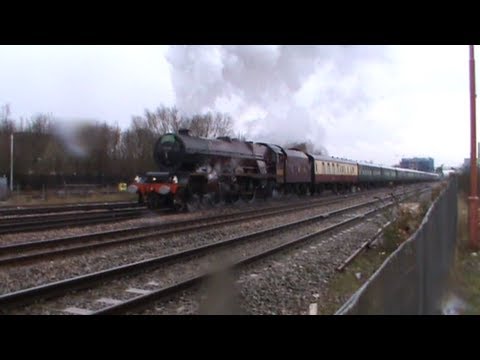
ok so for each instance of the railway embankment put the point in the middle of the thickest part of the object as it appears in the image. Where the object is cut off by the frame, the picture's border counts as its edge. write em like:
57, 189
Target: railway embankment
405, 270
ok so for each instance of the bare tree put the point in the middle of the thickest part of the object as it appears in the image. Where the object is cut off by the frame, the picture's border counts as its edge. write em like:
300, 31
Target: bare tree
98, 150
7, 125
210, 125
163, 120
241, 136
40, 124
137, 146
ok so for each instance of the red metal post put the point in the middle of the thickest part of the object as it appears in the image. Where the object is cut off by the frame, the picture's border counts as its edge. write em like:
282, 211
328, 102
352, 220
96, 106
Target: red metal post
473, 199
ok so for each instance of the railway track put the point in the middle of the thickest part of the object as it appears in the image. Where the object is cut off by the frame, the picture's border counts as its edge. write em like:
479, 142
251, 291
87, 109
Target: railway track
48, 249
326, 221
53, 221
31, 210
31, 219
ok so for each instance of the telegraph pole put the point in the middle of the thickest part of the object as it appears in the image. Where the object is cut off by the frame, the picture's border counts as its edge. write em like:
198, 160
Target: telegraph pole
473, 209
11, 162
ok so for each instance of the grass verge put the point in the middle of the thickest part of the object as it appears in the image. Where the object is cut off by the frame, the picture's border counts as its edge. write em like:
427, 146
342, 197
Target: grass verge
405, 221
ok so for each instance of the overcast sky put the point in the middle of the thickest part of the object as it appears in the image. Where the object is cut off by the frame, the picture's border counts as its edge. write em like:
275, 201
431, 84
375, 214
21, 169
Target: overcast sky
376, 103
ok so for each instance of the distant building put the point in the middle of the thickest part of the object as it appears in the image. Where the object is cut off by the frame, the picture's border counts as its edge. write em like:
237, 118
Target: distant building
466, 162
420, 164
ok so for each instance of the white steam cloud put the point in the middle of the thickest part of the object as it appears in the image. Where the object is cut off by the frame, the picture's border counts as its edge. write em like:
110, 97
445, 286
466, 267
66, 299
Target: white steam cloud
278, 93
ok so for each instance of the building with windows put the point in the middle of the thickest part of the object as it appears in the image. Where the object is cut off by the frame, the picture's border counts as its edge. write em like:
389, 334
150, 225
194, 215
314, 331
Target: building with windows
420, 164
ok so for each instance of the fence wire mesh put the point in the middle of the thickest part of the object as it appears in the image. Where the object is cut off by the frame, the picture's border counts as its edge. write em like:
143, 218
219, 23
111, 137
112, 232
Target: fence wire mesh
413, 278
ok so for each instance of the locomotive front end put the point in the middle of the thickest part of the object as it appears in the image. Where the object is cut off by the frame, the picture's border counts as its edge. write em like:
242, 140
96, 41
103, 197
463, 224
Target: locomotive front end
169, 152
163, 188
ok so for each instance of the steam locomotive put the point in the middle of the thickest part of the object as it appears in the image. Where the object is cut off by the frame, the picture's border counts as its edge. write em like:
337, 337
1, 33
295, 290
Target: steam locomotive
224, 169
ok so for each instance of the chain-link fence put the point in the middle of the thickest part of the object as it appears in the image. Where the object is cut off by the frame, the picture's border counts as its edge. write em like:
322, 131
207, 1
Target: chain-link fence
413, 278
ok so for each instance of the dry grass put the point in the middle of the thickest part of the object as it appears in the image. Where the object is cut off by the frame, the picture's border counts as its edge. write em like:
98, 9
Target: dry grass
344, 284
